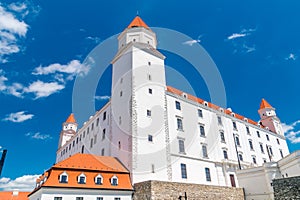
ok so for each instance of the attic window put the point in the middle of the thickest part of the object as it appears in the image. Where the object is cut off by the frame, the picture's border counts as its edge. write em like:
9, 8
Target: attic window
232, 114
81, 179
205, 103
114, 180
63, 177
99, 179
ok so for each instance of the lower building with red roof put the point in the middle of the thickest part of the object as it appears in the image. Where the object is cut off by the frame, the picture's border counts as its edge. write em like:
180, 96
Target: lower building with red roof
13, 195
84, 177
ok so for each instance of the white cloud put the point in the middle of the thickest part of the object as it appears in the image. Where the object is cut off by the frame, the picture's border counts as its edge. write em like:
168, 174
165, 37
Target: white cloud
2, 83
101, 98
236, 35
41, 89
292, 131
17, 7
248, 49
38, 136
18, 117
96, 40
291, 57
11, 30
191, 42
73, 68
23, 183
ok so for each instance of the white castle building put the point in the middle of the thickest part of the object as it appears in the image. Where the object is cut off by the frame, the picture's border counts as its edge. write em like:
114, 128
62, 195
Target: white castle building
161, 133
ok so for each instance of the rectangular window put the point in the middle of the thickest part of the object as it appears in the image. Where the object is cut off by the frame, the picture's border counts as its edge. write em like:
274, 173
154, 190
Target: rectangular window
81, 180
150, 91
152, 168
261, 148
219, 120
183, 171
97, 123
148, 113
247, 130
225, 154
237, 141
240, 157
267, 136
98, 181
150, 138
57, 198
277, 141
178, 106
91, 144
254, 160
99, 198
117, 198
79, 198
234, 125
222, 136
103, 134
92, 126
202, 131
179, 124
281, 154
271, 151
258, 134
181, 146
200, 114
102, 152
251, 145
204, 151
95, 139
104, 116
207, 174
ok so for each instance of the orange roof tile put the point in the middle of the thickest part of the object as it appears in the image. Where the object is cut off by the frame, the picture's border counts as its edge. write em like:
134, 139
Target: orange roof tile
138, 22
91, 166
71, 119
91, 162
8, 195
210, 105
264, 104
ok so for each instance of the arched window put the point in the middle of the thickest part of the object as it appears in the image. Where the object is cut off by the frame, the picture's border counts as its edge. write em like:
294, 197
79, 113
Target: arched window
99, 179
63, 177
114, 180
81, 178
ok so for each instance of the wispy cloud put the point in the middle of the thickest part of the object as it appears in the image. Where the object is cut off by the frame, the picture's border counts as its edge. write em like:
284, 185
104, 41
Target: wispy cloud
17, 6
71, 69
192, 42
12, 30
292, 131
38, 136
23, 183
96, 40
239, 42
236, 35
291, 57
102, 98
18, 117
43, 89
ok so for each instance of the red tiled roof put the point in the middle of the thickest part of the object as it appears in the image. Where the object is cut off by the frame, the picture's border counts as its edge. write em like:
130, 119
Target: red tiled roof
91, 166
8, 195
210, 105
264, 104
71, 119
138, 22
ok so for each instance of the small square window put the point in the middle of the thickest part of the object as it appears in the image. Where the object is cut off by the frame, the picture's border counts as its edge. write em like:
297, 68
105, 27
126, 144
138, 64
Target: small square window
114, 181
148, 113
178, 106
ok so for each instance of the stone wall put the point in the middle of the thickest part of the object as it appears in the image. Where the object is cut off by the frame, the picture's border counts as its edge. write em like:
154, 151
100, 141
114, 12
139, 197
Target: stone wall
159, 190
286, 188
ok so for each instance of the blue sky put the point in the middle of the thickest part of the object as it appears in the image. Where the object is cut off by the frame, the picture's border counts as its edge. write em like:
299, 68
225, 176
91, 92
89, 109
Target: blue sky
254, 44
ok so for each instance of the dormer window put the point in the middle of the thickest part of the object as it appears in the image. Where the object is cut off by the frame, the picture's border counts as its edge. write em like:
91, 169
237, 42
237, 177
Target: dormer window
81, 179
63, 178
99, 179
114, 180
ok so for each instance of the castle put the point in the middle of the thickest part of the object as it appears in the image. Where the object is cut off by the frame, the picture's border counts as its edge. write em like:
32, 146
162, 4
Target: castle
161, 133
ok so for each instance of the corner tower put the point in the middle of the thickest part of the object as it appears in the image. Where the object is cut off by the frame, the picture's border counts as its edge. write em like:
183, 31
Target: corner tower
69, 128
138, 104
269, 118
